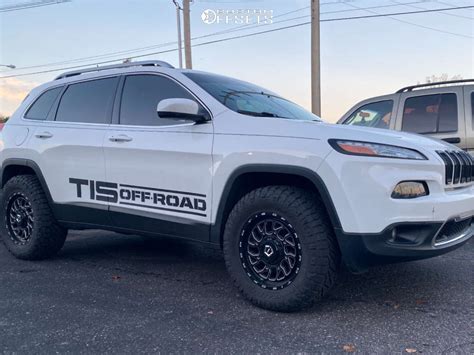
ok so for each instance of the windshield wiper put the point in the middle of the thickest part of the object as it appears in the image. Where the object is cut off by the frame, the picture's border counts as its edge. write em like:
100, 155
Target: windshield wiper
259, 114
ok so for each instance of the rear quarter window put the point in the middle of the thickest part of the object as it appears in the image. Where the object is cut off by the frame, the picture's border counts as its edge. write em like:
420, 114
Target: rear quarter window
43, 104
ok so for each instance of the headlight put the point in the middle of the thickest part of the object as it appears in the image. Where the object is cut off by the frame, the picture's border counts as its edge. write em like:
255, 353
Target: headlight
375, 150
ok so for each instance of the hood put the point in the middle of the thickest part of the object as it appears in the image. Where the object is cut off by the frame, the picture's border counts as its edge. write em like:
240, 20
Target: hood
234, 123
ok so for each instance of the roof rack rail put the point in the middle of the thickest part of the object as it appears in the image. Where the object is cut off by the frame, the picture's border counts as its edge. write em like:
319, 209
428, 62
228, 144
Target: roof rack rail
148, 63
410, 88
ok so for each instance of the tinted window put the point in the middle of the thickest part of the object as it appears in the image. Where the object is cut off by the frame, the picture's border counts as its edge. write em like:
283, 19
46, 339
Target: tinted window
140, 98
249, 99
472, 106
88, 102
375, 114
40, 109
431, 114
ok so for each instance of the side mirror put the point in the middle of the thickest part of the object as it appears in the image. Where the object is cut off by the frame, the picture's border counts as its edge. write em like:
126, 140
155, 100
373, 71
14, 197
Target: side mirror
180, 109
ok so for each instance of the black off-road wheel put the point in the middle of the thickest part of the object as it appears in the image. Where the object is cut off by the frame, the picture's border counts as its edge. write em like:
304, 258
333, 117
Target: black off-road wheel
280, 248
28, 228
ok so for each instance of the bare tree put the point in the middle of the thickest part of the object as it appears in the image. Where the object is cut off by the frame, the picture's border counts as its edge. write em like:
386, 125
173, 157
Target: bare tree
442, 77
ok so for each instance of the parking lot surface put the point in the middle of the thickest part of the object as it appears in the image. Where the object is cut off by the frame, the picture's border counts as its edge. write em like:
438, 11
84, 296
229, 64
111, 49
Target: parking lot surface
111, 293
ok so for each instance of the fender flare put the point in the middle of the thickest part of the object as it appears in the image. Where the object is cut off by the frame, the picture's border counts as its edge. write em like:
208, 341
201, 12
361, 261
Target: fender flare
313, 177
30, 164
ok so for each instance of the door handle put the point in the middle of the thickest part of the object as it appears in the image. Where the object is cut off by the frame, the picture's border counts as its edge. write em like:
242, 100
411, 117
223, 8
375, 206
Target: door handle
453, 140
120, 138
44, 135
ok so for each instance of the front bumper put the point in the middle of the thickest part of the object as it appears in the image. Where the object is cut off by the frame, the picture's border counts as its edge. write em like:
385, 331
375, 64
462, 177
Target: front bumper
404, 242
361, 190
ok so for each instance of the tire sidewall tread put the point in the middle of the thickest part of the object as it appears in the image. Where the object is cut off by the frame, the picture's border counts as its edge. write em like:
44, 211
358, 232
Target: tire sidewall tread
320, 253
48, 236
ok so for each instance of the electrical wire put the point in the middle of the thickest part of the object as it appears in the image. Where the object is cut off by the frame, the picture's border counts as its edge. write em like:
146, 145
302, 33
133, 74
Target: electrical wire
259, 33
31, 5
157, 46
376, 14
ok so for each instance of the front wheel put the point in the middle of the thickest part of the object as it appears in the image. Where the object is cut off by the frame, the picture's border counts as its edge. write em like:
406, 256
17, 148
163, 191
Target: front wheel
280, 249
28, 227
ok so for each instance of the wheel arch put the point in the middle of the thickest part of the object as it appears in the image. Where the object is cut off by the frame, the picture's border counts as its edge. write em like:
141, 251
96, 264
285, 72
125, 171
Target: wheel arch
248, 177
14, 166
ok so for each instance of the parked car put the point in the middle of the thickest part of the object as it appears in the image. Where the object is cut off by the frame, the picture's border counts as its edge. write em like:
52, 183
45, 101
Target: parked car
443, 110
144, 148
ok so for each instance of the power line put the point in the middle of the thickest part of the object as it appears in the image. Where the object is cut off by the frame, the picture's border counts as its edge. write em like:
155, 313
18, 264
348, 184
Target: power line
234, 29
422, 8
156, 46
249, 35
416, 24
30, 5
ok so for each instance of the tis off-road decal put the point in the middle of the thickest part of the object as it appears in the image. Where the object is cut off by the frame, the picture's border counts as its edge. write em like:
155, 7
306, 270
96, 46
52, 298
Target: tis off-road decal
140, 196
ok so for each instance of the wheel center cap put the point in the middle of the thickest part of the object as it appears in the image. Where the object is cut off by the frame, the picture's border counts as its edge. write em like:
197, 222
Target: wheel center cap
268, 251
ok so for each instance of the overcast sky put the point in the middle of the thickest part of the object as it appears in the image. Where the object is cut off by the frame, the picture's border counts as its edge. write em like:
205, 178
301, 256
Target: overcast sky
360, 58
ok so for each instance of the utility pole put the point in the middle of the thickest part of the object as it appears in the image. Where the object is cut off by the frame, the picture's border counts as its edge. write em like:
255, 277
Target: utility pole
187, 33
178, 23
315, 59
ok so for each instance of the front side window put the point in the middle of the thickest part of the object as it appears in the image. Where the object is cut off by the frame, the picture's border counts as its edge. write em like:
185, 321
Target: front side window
249, 99
88, 102
42, 106
376, 114
472, 106
141, 95
431, 114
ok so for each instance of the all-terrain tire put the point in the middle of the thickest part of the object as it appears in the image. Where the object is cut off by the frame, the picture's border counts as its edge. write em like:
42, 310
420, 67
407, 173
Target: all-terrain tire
44, 236
302, 213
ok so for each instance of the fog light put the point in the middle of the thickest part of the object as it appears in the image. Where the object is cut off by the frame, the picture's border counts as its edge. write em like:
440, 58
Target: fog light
410, 189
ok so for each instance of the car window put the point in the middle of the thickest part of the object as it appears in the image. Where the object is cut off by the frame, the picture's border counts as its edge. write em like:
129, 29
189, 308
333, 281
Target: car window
376, 114
249, 99
472, 106
431, 114
88, 102
43, 104
141, 95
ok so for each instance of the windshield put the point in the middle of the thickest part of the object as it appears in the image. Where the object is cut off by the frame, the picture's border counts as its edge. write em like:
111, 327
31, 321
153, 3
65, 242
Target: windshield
375, 114
249, 99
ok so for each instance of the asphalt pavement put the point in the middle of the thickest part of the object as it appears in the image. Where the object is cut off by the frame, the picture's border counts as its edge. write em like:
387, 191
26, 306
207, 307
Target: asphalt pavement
111, 293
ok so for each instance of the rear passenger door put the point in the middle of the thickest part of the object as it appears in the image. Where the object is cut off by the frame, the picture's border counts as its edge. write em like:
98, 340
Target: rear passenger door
69, 145
163, 167
439, 114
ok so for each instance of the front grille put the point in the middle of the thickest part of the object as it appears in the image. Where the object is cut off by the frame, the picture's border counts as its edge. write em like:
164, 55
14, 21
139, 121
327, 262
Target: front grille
459, 166
453, 230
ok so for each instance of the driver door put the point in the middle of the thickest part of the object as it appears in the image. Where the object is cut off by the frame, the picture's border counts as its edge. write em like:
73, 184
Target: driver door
161, 168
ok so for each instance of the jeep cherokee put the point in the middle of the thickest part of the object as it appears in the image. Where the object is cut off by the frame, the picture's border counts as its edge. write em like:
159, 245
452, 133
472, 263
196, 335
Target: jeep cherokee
144, 148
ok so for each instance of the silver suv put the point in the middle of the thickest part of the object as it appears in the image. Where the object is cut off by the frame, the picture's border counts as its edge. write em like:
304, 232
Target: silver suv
443, 110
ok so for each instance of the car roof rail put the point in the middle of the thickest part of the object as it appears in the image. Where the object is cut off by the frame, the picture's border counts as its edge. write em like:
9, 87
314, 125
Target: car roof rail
410, 88
147, 63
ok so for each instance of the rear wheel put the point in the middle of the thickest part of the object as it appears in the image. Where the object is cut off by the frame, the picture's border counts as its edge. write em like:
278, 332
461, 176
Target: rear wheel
280, 248
28, 227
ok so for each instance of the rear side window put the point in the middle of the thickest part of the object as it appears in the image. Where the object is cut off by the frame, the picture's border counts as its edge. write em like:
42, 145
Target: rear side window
376, 114
88, 102
431, 114
140, 98
43, 104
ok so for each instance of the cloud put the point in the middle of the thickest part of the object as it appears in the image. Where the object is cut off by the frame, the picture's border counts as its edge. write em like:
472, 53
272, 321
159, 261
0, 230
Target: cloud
12, 93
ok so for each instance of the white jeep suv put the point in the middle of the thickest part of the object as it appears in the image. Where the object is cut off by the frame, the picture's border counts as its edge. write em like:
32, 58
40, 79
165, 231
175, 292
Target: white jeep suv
144, 148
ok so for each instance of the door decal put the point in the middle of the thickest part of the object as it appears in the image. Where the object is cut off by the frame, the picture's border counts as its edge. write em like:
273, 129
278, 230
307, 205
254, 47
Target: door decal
140, 196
